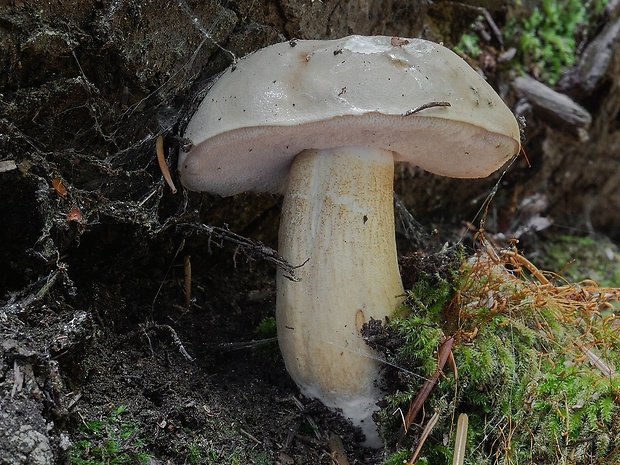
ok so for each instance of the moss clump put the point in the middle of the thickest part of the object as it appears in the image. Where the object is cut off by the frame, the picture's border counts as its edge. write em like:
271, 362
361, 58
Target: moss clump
113, 440
267, 328
546, 38
578, 258
535, 362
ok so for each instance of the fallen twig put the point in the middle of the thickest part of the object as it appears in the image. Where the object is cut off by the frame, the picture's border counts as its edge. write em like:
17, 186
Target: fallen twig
187, 266
249, 436
32, 293
425, 107
460, 442
176, 340
427, 430
420, 398
250, 248
309, 419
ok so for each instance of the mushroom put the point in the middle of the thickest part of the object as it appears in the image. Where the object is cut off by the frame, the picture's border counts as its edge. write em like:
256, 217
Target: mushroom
323, 122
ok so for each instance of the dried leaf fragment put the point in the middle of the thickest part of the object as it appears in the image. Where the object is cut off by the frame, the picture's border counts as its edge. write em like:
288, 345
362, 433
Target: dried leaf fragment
163, 166
74, 214
59, 187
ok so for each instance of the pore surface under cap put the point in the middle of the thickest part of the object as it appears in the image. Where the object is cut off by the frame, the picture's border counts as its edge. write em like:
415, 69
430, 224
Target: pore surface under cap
283, 99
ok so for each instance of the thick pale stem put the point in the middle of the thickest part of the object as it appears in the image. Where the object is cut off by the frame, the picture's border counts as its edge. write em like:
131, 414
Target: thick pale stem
338, 221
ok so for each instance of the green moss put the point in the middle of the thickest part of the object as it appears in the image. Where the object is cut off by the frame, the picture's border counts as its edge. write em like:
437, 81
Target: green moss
578, 258
545, 36
267, 328
525, 380
469, 45
114, 440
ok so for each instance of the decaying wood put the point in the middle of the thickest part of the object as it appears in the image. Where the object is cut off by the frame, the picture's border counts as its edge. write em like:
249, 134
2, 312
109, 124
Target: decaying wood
561, 108
597, 57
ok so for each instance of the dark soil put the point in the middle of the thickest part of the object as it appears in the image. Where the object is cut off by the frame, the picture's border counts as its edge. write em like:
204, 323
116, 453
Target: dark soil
197, 380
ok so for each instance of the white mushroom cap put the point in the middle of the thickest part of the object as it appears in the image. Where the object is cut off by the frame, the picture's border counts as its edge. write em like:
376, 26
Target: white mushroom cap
285, 98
